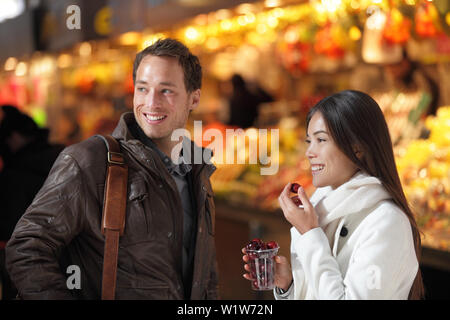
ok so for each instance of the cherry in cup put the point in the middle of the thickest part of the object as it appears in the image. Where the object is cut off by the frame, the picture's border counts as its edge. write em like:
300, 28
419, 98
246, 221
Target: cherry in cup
261, 261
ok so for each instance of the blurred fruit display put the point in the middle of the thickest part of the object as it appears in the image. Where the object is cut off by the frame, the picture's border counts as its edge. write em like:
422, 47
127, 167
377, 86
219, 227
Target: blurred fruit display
424, 168
397, 28
244, 184
427, 20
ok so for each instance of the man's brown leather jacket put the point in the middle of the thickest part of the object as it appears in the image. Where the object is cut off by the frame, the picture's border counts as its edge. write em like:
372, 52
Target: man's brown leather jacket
62, 227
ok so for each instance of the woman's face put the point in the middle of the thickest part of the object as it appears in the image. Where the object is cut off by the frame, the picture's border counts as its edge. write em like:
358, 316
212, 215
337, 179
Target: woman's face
329, 165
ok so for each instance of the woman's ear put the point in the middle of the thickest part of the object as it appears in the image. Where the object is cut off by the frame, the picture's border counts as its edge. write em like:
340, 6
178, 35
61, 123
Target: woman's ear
357, 151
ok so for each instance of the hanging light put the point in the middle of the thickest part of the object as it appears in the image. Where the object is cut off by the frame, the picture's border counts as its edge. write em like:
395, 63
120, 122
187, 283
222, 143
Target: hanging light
10, 64
21, 69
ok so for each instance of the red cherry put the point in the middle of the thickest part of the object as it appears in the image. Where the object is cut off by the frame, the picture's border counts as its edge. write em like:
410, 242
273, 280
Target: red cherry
257, 240
272, 245
294, 187
296, 200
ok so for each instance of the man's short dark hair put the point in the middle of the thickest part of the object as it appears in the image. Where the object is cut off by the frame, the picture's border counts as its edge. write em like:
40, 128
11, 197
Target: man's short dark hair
173, 48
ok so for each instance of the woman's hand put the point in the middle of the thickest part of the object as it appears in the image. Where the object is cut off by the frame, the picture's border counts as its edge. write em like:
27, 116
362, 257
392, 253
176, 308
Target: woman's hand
283, 273
302, 219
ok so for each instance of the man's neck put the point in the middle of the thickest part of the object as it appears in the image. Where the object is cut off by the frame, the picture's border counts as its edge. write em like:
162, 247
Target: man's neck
165, 145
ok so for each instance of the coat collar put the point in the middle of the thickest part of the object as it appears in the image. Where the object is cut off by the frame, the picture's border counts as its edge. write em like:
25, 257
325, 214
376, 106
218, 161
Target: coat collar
359, 193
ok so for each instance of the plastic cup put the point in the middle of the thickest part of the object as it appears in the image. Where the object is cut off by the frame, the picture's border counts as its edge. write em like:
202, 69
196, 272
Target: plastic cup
262, 268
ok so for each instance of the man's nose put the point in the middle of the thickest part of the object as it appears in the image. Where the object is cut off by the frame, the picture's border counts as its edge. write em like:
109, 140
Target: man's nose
152, 98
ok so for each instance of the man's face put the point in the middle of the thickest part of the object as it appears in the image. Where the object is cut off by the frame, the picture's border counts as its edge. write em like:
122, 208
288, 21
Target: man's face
161, 103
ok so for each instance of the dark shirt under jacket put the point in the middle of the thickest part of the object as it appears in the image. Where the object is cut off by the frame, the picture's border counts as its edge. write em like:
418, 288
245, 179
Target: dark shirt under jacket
181, 173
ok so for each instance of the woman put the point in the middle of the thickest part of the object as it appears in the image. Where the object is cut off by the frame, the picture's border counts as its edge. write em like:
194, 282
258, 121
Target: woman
356, 238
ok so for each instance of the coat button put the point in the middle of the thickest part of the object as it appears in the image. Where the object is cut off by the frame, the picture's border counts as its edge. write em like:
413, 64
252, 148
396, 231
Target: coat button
344, 232
160, 186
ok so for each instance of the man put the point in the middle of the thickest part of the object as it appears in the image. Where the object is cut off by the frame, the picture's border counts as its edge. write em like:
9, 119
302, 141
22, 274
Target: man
167, 250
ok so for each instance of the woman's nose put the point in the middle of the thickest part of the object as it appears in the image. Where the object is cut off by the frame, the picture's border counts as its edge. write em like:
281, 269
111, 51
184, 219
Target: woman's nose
310, 152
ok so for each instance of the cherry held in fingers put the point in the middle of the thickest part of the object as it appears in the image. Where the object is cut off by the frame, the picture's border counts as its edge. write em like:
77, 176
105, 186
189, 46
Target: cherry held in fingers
294, 187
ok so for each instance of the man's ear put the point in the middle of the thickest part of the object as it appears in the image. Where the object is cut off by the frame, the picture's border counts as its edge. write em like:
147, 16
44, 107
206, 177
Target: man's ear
194, 99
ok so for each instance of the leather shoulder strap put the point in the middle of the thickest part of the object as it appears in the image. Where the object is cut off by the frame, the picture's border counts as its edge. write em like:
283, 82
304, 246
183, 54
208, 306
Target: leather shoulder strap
114, 209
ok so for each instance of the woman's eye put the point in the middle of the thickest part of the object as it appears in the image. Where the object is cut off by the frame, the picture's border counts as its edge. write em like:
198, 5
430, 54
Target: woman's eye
321, 140
308, 141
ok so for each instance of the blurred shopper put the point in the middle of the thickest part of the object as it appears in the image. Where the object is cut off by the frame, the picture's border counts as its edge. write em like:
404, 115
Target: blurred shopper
167, 250
356, 237
408, 76
244, 103
27, 159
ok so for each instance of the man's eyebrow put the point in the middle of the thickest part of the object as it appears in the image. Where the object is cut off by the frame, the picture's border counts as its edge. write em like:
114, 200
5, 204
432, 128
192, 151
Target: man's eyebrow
169, 84
164, 83
317, 132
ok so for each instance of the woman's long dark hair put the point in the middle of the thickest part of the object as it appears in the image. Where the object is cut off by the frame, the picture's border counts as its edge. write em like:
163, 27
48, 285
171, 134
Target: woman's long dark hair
355, 120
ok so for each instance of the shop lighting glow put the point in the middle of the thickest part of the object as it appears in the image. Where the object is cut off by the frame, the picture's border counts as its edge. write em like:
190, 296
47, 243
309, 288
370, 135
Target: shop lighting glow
223, 14
42, 66
130, 38
226, 25
150, 39
212, 43
376, 21
11, 8
192, 33
21, 69
64, 60
272, 3
85, 49
354, 4
354, 33
245, 8
10, 64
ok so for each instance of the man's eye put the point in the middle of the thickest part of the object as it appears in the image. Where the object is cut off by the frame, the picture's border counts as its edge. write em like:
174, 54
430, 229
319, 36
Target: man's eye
140, 89
166, 91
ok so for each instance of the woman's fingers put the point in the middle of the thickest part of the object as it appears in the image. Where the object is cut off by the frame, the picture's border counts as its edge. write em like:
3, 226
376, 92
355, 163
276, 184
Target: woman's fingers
246, 266
281, 260
283, 273
304, 198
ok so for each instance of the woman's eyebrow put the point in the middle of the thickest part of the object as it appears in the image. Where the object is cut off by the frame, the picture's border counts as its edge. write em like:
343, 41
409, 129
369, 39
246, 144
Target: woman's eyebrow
317, 132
